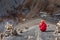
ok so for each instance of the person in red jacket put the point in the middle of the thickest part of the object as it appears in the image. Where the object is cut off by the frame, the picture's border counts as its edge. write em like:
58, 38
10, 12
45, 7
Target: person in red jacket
42, 26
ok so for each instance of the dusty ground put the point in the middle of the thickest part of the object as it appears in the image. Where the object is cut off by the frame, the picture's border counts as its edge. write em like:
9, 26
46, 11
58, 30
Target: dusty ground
33, 32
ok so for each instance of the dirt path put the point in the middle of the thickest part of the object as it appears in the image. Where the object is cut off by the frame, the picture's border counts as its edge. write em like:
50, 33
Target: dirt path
33, 31
30, 23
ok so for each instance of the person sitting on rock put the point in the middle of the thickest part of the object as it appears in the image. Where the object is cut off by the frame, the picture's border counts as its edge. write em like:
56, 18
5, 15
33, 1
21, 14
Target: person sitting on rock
57, 28
8, 29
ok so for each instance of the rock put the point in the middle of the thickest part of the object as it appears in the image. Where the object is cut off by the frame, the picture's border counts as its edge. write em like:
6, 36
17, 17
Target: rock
26, 27
14, 32
19, 31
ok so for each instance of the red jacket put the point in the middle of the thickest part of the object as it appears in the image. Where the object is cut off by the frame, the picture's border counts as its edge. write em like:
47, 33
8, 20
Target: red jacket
42, 26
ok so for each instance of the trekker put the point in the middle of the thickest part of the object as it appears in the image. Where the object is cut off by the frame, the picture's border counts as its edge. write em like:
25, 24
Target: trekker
42, 26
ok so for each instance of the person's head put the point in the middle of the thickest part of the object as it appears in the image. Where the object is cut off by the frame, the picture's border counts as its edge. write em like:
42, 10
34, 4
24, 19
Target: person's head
42, 21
